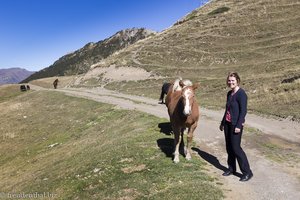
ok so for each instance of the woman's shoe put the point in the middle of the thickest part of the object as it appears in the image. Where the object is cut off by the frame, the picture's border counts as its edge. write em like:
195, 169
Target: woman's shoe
246, 177
227, 173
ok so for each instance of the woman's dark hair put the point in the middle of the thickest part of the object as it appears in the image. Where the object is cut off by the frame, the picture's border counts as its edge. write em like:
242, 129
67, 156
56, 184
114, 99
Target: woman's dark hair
234, 74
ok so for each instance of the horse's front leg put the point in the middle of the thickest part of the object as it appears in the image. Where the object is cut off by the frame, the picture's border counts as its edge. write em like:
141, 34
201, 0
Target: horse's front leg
189, 141
177, 141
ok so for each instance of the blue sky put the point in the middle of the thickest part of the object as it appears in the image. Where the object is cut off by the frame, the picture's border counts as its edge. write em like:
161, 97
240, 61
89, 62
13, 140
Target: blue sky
36, 33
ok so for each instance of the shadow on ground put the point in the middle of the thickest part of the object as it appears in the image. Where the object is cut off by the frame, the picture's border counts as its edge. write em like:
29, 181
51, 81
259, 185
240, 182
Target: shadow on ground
213, 160
165, 128
167, 144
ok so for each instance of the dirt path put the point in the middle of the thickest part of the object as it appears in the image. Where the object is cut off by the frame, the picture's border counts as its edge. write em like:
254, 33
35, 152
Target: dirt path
271, 180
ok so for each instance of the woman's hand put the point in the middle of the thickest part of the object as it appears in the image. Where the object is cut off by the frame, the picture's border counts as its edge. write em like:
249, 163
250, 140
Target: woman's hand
237, 130
221, 127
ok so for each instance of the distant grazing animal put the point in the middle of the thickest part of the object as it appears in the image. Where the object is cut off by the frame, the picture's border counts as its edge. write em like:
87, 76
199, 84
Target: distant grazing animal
164, 90
27, 87
55, 83
23, 88
183, 110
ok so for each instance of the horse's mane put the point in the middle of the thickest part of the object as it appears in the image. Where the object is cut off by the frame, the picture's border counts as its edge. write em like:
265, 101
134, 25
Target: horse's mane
187, 83
177, 87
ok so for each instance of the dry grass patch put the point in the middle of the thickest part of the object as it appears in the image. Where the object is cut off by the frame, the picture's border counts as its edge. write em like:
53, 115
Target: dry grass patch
48, 82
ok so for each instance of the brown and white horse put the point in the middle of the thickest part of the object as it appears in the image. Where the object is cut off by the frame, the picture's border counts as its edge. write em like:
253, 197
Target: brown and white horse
183, 110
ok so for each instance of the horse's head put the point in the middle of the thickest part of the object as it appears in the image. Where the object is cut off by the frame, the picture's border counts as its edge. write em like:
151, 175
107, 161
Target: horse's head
188, 98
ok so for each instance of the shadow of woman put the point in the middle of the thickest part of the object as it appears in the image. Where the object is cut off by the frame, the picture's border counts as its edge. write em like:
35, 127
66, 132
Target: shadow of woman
213, 160
210, 158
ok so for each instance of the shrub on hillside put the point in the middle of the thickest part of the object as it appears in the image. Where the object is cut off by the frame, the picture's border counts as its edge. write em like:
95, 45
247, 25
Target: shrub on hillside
219, 10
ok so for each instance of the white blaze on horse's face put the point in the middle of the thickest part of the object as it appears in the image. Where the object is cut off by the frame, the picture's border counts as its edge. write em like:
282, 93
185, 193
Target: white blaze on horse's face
187, 94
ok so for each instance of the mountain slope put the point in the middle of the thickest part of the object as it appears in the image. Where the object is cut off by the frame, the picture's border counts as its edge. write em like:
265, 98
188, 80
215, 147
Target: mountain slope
260, 39
80, 61
13, 75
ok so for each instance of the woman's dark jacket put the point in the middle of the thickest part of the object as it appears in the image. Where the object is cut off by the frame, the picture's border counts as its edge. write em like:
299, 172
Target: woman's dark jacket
238, 107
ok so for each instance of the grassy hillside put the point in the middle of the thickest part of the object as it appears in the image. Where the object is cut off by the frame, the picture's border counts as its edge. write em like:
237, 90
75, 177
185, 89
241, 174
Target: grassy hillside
71, 148
80, 61
260, 39
9, 91
63, 81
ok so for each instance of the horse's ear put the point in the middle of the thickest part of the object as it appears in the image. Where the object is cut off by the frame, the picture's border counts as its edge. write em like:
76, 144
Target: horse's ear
181, 83
195, 86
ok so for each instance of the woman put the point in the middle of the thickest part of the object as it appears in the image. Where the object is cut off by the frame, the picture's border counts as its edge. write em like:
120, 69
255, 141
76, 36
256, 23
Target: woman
232, 124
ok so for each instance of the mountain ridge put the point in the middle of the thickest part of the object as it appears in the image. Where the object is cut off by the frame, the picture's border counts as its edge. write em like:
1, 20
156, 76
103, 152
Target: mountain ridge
79, 61
13, 75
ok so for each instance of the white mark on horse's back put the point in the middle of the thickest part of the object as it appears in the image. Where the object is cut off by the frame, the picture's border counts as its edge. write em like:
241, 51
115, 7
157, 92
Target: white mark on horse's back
176, 86
187, 82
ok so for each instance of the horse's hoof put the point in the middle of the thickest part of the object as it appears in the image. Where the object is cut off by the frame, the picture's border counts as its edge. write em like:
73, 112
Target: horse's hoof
176, 160
188, 158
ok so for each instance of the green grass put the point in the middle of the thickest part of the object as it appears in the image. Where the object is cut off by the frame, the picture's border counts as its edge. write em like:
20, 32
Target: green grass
48, 82
9, 91
148, 88
101, 152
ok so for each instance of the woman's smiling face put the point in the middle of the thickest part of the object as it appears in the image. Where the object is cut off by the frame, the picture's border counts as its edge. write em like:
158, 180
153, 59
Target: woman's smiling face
232, 82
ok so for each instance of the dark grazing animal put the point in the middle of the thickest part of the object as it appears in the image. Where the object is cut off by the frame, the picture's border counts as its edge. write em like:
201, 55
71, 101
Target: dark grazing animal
23, 88
55, 83
164, 90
